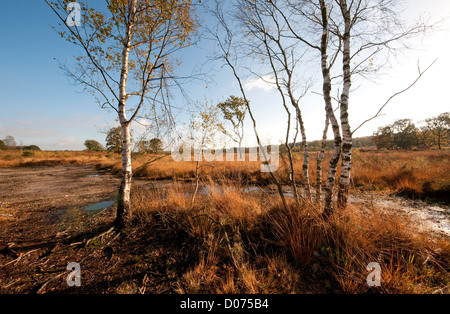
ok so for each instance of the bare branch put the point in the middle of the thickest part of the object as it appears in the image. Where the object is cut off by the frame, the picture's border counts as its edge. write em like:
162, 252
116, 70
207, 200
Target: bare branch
421, 73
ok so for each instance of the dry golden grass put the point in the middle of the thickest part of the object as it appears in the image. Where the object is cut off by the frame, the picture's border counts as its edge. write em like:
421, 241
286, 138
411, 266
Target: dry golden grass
246, 245
17, 158
418, 174
411, 261
410, 173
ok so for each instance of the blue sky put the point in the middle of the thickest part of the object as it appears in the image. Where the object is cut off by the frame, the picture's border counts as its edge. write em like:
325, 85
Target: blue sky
39, 105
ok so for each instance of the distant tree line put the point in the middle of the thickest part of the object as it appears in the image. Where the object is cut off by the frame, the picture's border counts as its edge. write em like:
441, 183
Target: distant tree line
358, 142
114, 143
404, 134
315, 146
9, 143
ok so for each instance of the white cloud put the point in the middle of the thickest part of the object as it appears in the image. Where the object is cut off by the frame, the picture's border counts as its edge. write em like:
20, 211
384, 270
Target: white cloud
265, 82
67, 143
140, 126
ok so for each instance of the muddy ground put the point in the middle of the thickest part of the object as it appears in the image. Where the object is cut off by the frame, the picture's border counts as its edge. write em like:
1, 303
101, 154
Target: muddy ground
44, 227
33, 198
34, 201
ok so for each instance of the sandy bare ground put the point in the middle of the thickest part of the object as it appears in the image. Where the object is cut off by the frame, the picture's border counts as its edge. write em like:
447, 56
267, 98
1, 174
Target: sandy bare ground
32, 202
32, 198
434, 218
44, 227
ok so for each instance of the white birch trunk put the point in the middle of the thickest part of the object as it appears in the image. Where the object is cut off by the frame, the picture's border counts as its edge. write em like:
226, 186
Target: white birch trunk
330, 114
124, 201
319, 161
305, 166
344, 180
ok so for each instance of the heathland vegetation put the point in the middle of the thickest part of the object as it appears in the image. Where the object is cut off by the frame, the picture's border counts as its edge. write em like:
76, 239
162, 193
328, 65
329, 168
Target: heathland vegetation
237, 237
311, 224
411, 173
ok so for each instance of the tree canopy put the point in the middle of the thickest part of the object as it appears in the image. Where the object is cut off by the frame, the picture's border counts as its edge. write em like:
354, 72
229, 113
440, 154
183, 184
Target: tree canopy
234, 110
114, 140
403, 133
10, 141
93, 146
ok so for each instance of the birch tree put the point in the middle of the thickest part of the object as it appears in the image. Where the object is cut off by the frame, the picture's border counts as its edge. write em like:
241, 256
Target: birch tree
329, 112
127, 61
233, 110
203, 129
371, 32
364, 35
344, 179
359, 36
264, 28
226, 40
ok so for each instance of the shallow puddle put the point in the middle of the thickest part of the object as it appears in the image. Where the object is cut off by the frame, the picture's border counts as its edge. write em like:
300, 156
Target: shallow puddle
208, 190
99, 205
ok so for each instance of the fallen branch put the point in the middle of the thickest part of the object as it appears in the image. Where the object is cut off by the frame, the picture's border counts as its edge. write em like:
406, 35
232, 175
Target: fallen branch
48, 281
15, 261
112, 229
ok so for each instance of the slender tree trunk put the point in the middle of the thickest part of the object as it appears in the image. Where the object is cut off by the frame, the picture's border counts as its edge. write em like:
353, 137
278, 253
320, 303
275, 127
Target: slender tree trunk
226, 56
319, 161
305, 166
240, 148
258, 140
197, 179
439, 139
344, 180
124, 200
292, 179
328, 207
291, 161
